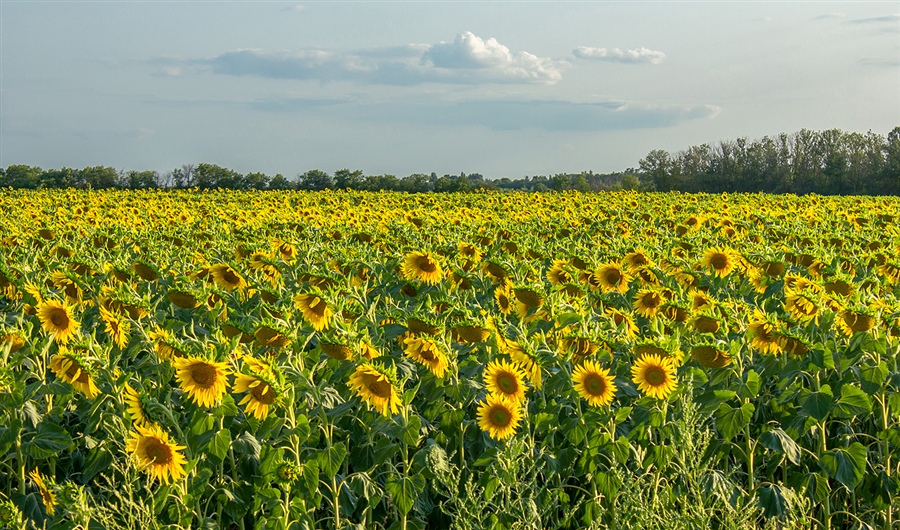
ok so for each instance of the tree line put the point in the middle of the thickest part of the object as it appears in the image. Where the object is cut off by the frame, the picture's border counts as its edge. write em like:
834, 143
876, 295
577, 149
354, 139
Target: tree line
830, 162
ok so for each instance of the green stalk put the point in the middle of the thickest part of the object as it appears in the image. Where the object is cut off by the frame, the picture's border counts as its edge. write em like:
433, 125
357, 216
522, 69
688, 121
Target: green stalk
20, 459
748, 452
826, 505
886, 456
405, 451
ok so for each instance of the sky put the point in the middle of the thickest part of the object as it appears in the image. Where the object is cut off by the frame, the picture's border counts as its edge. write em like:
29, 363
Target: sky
505, 89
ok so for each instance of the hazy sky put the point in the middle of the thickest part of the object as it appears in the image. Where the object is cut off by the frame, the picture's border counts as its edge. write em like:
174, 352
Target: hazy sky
501, 88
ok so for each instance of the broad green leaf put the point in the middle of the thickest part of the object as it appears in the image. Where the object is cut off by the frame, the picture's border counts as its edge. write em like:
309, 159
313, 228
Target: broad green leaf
410, 431
771, 500
750, 388
853, 402
730, 420
330, 459
47, 440
98, 460
818, 404
404, 490
219, 444
846, 465
778, 440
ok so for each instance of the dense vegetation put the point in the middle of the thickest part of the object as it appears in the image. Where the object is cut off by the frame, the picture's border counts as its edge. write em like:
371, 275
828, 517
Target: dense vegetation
830, 162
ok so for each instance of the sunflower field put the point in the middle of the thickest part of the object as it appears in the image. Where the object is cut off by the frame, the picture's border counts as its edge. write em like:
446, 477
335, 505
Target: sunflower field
309, 360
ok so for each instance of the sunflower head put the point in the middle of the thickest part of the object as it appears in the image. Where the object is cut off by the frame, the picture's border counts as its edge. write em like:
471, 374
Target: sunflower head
648, 302
594, 383
48, 497
711, 357
203, 380
422, 266
427, 353
261, 393
376, 388
506, 379
314, 309
611, 277
10, 516
134, 405
227, 278
156, 454
499, 416
73, 369
58, 319
654, 375
719, 261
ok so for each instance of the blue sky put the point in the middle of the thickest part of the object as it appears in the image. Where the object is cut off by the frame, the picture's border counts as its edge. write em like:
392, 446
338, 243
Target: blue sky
506, 89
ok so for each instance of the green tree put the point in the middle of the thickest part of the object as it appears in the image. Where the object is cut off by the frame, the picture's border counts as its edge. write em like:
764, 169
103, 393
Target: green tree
315, 180
344, 179
22, 176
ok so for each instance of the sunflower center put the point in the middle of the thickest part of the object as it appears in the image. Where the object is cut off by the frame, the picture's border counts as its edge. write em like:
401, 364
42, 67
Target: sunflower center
655, 375
651, 300
59, 318
263, 393
428, 355
204, 375
613, 277
83, 376
158, 452
380, 388
230, 277
507, 383
425, 264
719, 261
317, 306
594, 385
500, 417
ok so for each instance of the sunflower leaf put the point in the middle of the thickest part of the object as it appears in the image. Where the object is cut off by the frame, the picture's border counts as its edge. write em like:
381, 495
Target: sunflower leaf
846, 465
331, 458
219, 444
730, 420
853, 402
779, 441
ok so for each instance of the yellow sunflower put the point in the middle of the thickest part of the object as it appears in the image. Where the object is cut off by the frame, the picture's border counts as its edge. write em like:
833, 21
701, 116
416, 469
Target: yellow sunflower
637, 260
850, 322
557, 274
711, 357
227, 278
528, 363
422, 266
506, 379
763, 333
801, 307
135, 406
611, 277
504, 299
156, 454
427, 353
499, 416
163, 342
647, 302
204, 381
623, 322
654, 375
116, 327
47, 495
594, 383
73, 371
719, 261
58, 320
261, 394
376, 389
315, 310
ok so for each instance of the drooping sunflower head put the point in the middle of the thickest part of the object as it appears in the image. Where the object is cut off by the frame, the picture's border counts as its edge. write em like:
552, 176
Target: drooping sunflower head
648, 302
499, 416
637, 260
375, 388
527, 300
611, 277
337, 350
594, 383
791, 344
801, 306
156, 454
504, 299
719, 261
48, 497
422, 266
116, 326
850, 322
506, 379
204, 381
557, 274
654, 375
706, 324
427, 353
227, 278
623, 322
314, 309
261, 393
58, 319
763, 334
526, 361
711, 357
73, 369
134, 405
164, 342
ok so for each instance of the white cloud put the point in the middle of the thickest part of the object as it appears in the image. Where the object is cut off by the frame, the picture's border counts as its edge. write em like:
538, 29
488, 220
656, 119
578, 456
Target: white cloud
469, 59
638, 55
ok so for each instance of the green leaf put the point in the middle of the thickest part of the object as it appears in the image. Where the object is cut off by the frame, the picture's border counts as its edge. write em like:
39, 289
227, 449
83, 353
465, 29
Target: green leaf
778, 440
219, 444
750, 388
817, 487
410, 431
542, 420
730, 420
853, 402
818, 404
48, 440
404, 490
872, 377
8, 435
846, 465
771, 500
98, 460
330, 459
607, 483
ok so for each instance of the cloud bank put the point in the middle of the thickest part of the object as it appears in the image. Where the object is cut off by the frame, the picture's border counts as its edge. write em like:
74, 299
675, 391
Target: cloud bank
636, 56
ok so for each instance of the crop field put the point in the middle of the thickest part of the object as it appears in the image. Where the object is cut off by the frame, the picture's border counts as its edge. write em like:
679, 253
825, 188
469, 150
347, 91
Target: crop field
310, 360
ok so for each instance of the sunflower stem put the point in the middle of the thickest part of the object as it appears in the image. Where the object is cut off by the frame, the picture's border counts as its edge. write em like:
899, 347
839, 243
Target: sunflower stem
20, 459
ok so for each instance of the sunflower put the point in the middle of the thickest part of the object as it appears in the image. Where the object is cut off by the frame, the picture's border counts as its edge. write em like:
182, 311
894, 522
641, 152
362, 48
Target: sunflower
504, 299
135, 406
594, 383
261, 394
13, 340
367, 351
506, 379
47, 495
376, 389
116, 327
163, 342
623, 322
557, 274
156, 453
801, 307
711, 357
527, 301
705, 324
654, 375
720, 261
470, 252
336, 350
850, 322
204, 381
314, 309
422, 266
227, 278
763, 333
647, 302
499, 416
637, 260
73, 371
57, 319
427, 353
611, 277
526, 361
791, 344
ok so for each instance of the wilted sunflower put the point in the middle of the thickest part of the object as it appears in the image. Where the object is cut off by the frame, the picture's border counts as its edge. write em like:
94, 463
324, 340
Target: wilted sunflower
58, 320
314, 309
594, 383
647, 302
499, 416
422, 266
506, 379
261, 394
227, 278
134, 405
654, 375
850, 322
204, 381
719, 261
47, 495
72, 370
155, 453
376, 389
611, 277
425, 352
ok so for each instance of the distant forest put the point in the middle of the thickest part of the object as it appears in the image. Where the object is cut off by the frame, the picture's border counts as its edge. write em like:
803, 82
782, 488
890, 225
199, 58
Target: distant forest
830, 162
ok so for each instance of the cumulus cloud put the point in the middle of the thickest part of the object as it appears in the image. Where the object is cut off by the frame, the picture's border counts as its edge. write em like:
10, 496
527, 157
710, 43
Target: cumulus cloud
469, 59
637, 55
